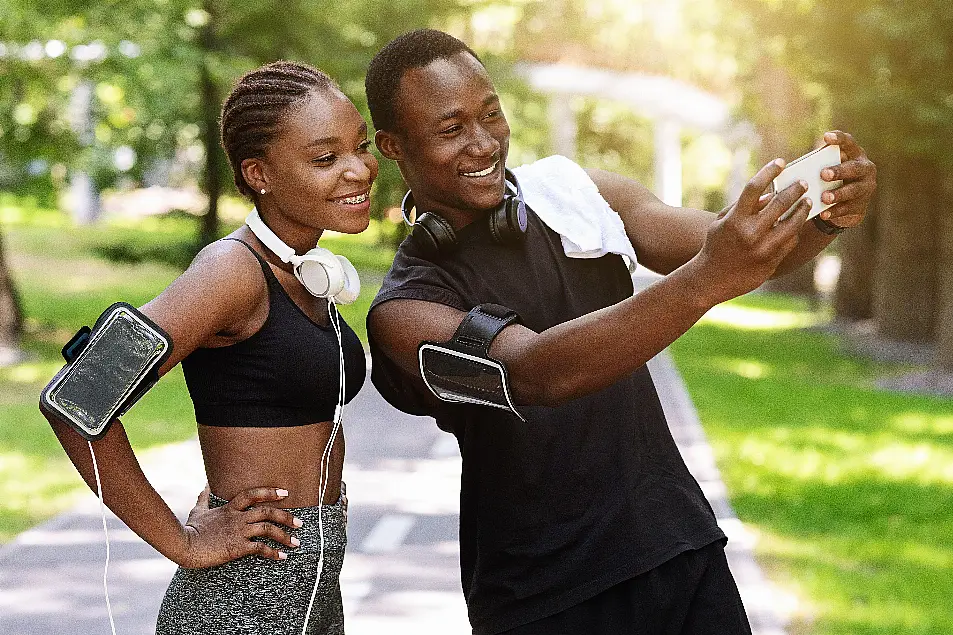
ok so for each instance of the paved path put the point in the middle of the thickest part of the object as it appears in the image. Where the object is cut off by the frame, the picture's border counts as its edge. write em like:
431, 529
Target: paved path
400, 574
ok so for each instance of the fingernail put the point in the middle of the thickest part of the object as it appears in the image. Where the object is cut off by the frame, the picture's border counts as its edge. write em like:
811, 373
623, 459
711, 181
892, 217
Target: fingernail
809, 202
804, 184
827, 197
281, 492
779, 162
282, 555
295, 542
297, 522
827, 175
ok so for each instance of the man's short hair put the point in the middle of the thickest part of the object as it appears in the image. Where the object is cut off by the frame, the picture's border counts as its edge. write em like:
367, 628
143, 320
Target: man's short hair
410, 50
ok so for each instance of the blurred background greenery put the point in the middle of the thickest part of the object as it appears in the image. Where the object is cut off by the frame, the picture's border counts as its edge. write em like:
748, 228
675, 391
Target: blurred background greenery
827, 401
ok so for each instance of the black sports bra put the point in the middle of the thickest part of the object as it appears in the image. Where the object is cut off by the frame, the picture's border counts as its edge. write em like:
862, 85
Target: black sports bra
286, 374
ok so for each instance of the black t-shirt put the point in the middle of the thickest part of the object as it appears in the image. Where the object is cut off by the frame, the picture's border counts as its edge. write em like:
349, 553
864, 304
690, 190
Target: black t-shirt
581, 496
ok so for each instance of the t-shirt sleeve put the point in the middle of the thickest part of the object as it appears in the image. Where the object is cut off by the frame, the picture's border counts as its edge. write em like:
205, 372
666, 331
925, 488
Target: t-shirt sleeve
409, 278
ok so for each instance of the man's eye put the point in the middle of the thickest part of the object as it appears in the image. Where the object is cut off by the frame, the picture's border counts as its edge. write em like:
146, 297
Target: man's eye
492, 114
326, 159
450, 130
365, 145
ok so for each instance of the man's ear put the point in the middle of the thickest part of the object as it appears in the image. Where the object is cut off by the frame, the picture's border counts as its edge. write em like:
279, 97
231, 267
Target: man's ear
389, 145
253, 171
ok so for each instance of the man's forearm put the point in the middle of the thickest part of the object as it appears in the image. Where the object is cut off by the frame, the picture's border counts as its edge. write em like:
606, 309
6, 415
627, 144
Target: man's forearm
602, 346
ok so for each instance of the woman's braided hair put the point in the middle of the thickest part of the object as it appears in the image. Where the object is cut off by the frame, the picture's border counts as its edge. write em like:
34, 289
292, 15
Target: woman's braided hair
253, 112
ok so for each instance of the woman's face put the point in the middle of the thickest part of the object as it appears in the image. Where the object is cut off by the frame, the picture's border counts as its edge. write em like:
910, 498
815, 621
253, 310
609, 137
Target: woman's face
319, 169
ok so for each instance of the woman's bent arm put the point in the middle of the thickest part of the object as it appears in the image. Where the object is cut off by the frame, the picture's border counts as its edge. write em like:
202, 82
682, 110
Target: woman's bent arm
219, 294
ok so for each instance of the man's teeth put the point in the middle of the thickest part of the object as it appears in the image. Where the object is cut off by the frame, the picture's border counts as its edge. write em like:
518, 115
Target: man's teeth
354, 200
489, 170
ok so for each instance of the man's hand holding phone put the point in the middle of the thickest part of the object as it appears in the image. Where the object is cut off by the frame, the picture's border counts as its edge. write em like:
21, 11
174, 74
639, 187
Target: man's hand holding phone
849, 201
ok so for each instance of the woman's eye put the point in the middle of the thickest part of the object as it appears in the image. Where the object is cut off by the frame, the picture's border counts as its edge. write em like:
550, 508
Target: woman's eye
492, 113
365, 145
450, 130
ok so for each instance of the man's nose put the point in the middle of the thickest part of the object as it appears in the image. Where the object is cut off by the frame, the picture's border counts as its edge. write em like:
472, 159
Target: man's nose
483, 143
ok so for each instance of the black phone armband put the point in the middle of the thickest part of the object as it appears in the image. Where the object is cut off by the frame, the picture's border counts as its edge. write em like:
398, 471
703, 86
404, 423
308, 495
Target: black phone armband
461, 370
108, 368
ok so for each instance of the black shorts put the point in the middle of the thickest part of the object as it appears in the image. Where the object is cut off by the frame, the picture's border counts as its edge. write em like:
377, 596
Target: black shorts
694, 593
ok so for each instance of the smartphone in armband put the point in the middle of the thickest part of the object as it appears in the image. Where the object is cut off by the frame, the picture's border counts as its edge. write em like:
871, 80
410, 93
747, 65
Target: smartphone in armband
808, 168
109, 367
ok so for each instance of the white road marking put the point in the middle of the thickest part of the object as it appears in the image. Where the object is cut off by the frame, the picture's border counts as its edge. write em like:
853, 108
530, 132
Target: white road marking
388, 534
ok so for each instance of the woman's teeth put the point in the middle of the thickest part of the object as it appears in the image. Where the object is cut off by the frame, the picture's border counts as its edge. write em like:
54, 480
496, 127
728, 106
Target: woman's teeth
354, 200
485, 172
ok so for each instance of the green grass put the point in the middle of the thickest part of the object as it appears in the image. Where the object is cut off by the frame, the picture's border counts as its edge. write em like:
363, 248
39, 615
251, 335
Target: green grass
66, 276
848, 488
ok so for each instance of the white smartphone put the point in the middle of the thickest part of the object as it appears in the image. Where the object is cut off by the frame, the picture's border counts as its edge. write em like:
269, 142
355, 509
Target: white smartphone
808, 168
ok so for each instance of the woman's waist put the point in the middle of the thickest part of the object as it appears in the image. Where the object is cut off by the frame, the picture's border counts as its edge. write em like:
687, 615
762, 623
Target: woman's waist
294, 459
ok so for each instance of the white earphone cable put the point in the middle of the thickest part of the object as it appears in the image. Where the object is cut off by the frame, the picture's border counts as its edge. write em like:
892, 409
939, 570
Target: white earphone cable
325, 467
102, 508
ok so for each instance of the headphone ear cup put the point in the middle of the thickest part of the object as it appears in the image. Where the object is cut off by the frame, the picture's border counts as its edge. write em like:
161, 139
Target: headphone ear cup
352, 282
321, 273
434, 235
506, 225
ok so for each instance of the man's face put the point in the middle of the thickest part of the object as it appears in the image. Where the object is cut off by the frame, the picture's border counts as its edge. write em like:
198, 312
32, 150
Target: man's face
453, 136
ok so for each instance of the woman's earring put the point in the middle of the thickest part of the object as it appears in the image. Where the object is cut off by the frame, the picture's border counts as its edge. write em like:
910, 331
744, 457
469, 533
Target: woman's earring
262, 190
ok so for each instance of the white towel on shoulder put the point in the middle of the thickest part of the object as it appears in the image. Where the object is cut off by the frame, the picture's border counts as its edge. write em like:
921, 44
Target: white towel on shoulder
561, 193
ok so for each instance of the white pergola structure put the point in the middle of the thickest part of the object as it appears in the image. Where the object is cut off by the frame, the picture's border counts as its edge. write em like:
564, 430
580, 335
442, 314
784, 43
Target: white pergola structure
671, 104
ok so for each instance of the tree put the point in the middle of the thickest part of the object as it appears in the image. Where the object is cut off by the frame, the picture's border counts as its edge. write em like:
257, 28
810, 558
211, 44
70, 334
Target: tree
11, 315
32, 134
887, 70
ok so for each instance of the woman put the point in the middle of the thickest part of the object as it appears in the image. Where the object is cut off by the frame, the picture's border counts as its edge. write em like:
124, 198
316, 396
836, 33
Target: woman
261, 359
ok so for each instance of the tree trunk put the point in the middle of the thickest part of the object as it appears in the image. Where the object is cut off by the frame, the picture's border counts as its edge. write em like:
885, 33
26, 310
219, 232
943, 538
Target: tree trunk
905, 285
11, 314
783, 104
944, 269
211, 107
853, 295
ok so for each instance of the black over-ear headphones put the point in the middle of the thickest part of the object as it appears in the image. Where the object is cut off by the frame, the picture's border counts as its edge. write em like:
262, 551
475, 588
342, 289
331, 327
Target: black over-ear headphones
435, 236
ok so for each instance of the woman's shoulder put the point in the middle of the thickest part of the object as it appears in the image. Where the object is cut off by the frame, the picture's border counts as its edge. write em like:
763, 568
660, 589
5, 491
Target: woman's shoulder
225, 277
229, 260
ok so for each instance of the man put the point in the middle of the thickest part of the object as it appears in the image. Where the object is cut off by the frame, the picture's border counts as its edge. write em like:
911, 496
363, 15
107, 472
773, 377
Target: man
577, 512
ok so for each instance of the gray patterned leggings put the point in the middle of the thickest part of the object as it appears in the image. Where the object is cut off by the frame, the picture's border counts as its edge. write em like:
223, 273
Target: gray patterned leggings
255, 596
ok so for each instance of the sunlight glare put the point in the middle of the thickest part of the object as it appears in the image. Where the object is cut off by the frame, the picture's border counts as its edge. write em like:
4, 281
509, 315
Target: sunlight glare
758, 319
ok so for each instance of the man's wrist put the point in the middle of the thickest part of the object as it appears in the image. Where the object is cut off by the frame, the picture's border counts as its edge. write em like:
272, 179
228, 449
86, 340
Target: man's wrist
827, 227
703, 291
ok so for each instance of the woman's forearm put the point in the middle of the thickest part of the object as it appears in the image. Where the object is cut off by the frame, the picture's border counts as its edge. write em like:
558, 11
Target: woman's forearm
126, 491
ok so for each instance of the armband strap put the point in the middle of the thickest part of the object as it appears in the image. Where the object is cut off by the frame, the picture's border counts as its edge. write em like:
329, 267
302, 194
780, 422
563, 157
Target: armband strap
480, 327
461, 370
108, 368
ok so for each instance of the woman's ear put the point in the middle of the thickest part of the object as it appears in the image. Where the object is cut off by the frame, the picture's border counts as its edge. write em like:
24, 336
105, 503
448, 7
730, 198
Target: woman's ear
388, 144
253, 171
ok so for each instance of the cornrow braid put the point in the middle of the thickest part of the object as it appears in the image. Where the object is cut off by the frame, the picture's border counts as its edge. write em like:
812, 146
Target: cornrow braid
253, 112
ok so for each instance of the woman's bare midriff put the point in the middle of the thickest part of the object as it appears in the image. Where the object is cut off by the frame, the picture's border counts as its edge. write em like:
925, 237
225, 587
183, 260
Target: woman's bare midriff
289, 458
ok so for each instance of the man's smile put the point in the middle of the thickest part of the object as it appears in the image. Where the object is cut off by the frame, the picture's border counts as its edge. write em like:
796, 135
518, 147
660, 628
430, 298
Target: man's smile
480, 173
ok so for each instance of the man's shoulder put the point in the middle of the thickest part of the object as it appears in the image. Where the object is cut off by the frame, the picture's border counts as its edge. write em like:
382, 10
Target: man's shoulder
414, 277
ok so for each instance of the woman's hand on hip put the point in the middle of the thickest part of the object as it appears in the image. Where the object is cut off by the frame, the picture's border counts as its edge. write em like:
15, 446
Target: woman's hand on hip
218, 535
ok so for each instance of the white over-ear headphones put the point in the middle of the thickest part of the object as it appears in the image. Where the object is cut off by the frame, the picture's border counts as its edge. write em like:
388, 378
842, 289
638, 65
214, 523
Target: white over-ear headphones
322, 273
